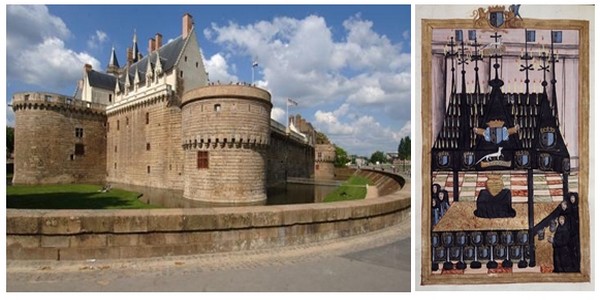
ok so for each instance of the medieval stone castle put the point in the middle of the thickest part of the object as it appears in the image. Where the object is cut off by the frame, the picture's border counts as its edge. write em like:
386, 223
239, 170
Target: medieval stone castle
158, 122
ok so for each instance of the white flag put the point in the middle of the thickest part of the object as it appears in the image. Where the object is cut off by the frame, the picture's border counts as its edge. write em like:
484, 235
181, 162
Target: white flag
292, 102
255, 64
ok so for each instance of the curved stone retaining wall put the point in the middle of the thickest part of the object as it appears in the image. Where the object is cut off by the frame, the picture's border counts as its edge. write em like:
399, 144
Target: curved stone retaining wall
385, 182
92, 234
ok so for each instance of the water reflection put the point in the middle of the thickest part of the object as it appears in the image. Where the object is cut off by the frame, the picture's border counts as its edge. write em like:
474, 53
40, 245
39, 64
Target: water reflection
295, 193
286, 193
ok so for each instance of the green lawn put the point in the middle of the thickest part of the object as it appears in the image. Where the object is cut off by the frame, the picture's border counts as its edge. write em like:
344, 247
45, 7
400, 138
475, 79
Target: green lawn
354, 188
70, 196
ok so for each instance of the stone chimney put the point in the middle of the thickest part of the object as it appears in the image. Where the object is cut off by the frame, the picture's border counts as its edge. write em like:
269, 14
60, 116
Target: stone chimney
87, 67
187, 24
129, 56
158, 41
150, 45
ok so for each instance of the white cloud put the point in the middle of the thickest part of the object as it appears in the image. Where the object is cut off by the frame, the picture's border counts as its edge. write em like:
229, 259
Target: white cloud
361, 72
28, 24
50, 64
278, 115
97, 39
218, 69
361, 133
36, 52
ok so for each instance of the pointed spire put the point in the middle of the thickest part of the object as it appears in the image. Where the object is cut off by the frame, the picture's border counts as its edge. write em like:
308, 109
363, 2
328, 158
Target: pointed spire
136, 51
149, 70
117, 86
113, 63
157, 65
136, 76
113, 58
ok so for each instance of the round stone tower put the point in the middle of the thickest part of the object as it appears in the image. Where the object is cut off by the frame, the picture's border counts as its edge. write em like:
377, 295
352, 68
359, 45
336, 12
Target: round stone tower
226, 131
58, 139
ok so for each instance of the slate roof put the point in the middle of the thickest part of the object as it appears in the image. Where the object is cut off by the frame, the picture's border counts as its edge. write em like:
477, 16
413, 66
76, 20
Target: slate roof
101, 80
168, 56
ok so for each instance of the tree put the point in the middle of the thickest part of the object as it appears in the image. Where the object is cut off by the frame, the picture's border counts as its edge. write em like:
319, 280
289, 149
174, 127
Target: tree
10, 139
341, 157
404, 148
322, 138
378, 156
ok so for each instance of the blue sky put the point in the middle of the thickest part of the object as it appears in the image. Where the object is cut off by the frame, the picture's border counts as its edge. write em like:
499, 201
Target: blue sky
347, 66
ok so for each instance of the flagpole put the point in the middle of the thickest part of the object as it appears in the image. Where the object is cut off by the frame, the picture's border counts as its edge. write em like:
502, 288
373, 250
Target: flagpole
254, 65
287, 117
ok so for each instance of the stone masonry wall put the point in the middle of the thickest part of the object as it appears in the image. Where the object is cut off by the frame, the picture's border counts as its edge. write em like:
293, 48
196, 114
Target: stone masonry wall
230, 124
45, 139
145, 147
324, 157
288, 158
86, 234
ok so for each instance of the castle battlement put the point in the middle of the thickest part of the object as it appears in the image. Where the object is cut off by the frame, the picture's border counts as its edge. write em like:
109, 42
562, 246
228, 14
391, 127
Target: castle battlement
159, 122
42, 100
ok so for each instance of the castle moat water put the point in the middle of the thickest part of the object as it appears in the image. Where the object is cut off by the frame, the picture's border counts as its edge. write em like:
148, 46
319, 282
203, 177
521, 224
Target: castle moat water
281, 194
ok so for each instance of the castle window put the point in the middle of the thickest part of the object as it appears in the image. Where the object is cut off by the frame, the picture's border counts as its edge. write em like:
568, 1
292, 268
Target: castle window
47, 98
319, 155
72, 157
115, 166
107, 126
79, 149
148, 169
202, 160
181, 74
118, 123
185, 59
317, 167
217, 107
147, 118
115, 148
147, 146
126, 120
109, 98
26, 97
78, 132
196, 64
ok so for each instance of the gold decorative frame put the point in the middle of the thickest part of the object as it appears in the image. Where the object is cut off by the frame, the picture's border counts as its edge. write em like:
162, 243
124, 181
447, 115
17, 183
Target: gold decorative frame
427, 278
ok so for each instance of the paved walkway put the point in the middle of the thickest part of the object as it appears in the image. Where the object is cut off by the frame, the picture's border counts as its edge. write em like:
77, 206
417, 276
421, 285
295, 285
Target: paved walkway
377, 261
372, 192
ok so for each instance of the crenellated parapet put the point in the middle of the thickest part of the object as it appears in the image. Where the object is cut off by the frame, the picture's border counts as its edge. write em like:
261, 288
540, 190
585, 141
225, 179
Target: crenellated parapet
56, 102
226, 131
58, 139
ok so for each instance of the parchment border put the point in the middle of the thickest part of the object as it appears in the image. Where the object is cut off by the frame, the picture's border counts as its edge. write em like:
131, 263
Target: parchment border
427, 27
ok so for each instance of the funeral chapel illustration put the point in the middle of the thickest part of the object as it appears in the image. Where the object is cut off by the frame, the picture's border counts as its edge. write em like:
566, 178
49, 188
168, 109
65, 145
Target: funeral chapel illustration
505, 143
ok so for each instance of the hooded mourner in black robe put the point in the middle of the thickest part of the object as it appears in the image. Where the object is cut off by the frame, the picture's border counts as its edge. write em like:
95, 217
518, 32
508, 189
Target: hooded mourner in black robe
573, 215
444, 202
564, 259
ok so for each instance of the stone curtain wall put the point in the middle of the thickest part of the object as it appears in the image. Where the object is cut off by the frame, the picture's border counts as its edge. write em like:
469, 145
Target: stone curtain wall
45, 138
86, 234
288, 158
129, 162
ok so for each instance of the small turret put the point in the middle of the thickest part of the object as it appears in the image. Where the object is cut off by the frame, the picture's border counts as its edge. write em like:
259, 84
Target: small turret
113, 64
